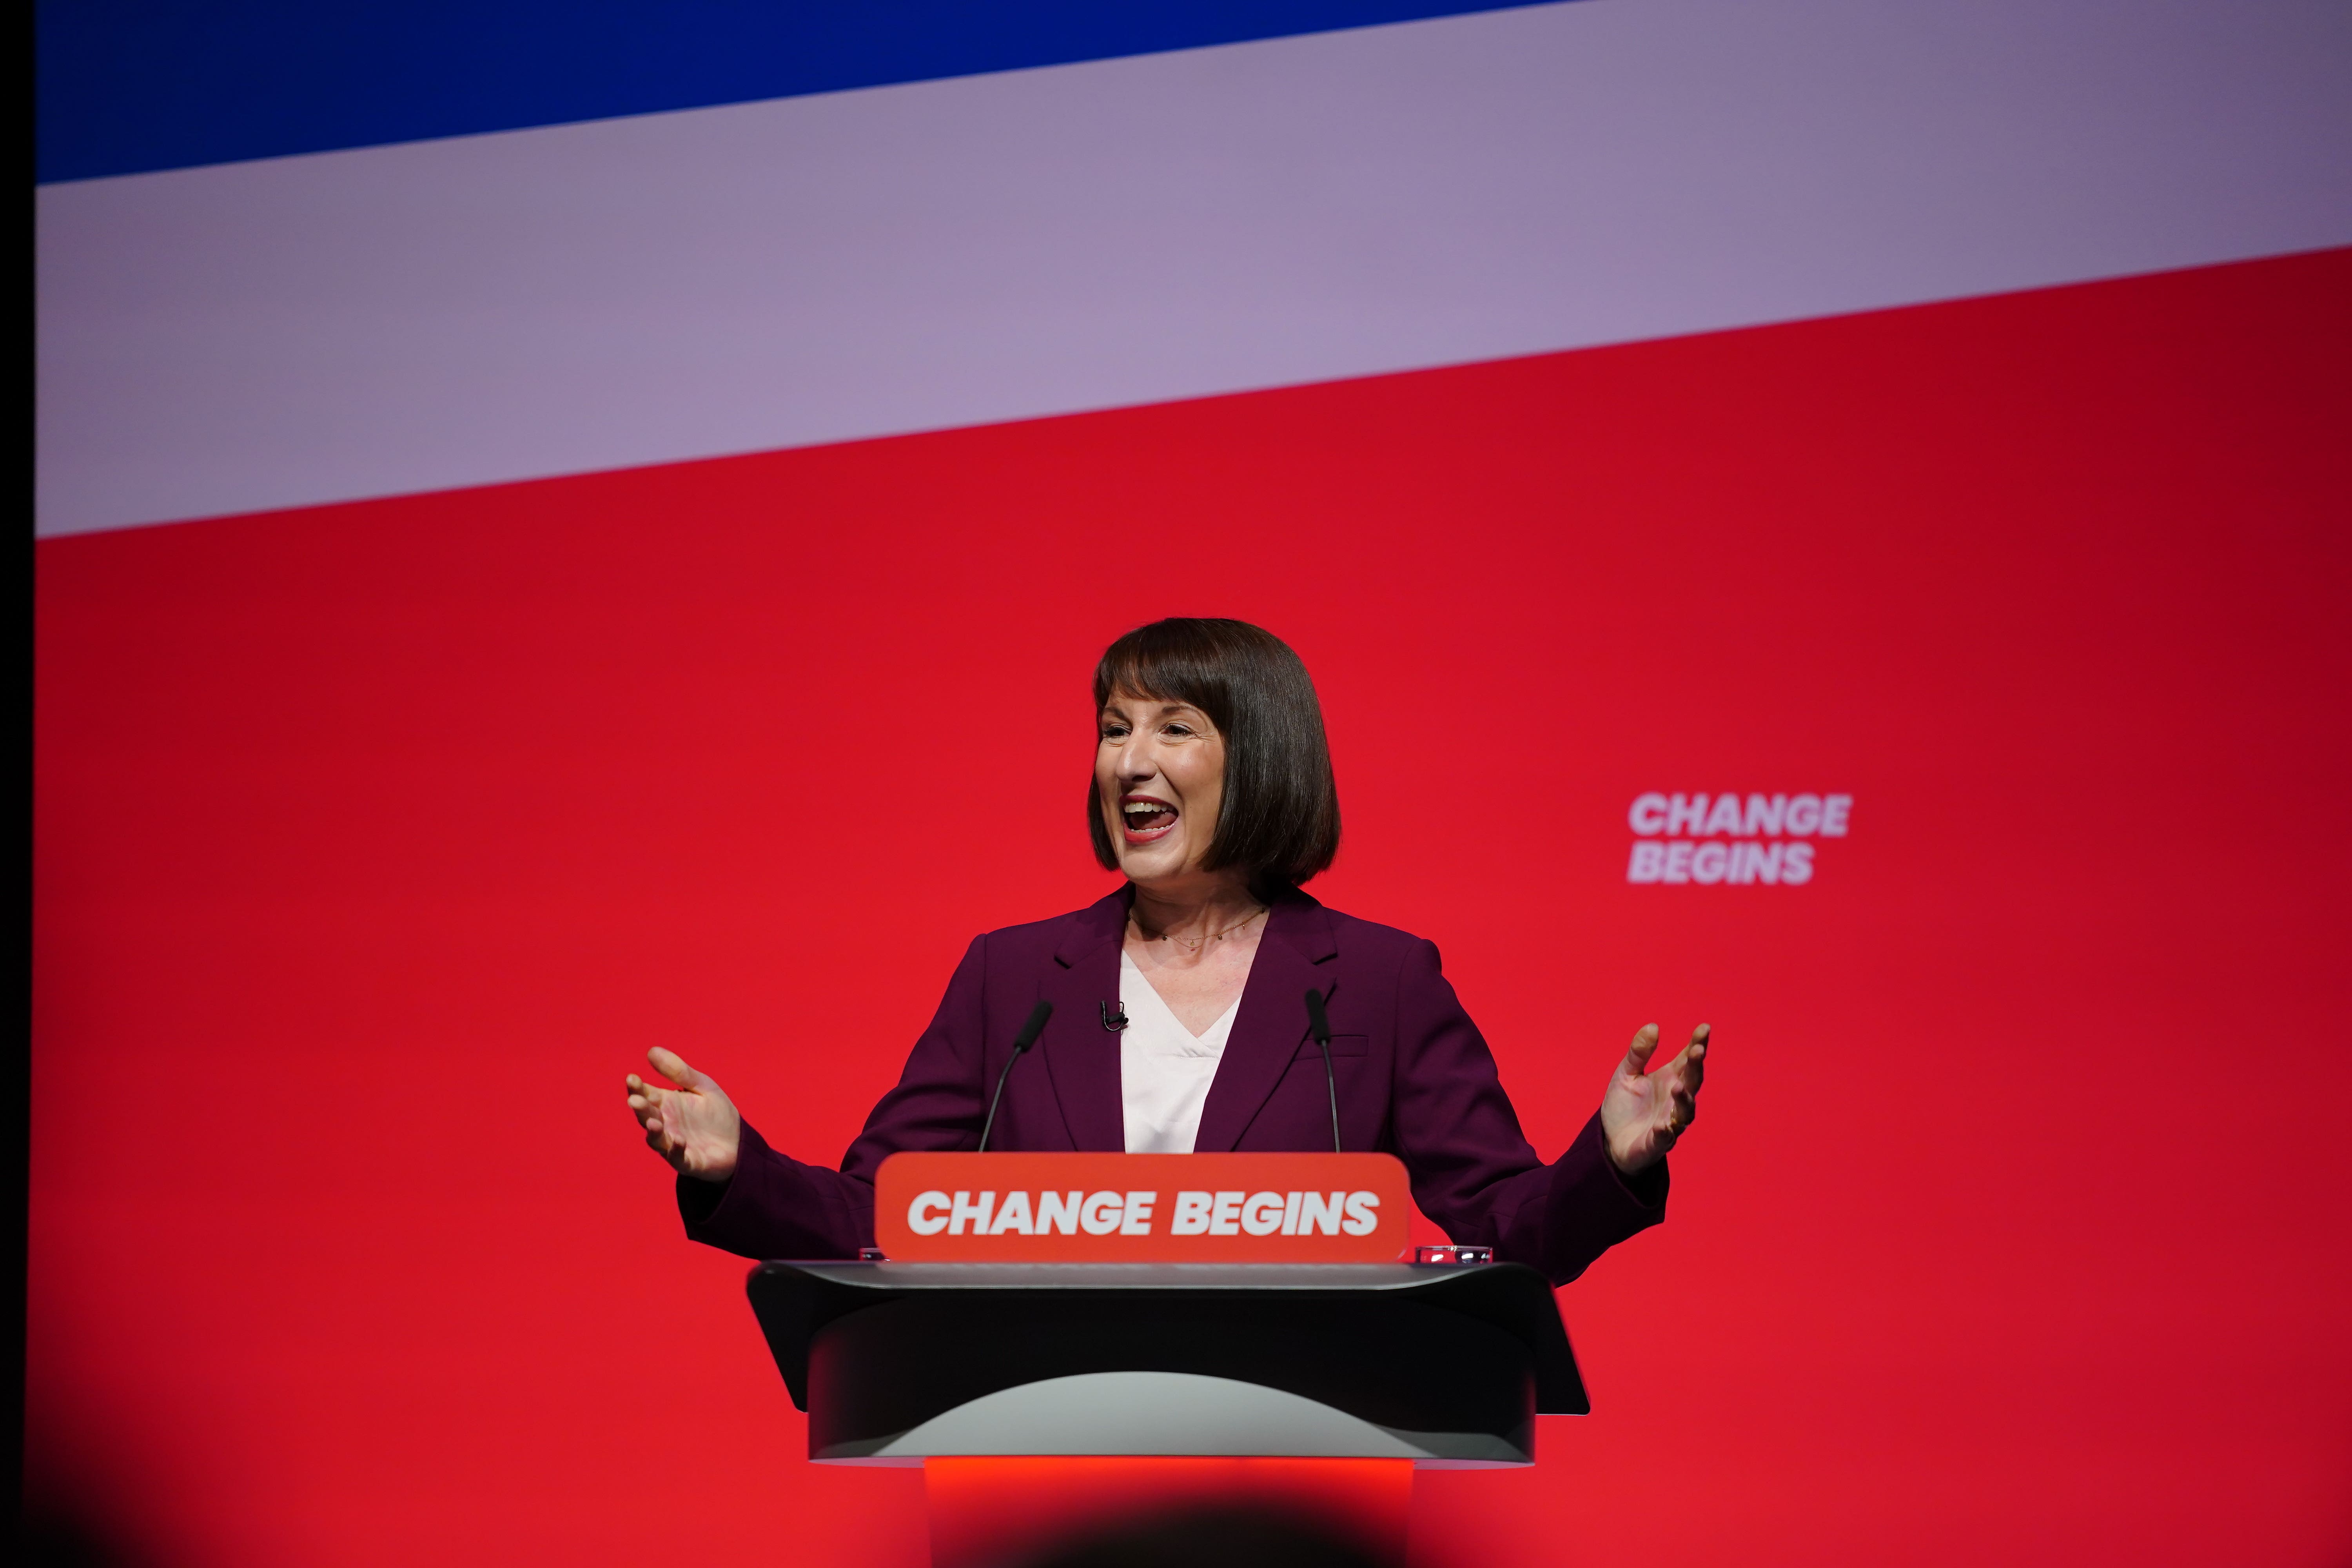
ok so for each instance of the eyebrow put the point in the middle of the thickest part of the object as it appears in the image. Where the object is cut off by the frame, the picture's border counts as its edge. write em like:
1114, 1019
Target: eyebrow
1165, 710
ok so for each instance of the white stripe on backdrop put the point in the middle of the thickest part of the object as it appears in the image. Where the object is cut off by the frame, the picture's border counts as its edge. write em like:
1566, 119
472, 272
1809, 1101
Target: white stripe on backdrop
631, 292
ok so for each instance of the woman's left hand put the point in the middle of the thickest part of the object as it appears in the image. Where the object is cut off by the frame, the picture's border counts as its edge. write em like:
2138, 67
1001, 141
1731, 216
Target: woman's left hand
1645, 1112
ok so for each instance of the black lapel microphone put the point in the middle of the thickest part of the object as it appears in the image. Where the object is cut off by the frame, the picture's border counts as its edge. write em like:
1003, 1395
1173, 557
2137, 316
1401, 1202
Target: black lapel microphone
1321, 1025
1021, 1041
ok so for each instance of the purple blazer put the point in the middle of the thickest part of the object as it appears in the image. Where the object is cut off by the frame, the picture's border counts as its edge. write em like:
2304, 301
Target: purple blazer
1414, 1080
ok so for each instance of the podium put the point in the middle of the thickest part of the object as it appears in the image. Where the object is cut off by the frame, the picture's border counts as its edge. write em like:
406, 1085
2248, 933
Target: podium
1443, 1365
1029, 1391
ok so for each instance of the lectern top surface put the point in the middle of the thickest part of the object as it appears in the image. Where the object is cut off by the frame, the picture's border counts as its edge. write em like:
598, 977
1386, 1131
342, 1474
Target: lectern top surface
797, 1301
1141, 1276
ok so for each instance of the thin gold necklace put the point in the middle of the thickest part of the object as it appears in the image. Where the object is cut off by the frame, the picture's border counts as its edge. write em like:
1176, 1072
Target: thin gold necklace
1195, 943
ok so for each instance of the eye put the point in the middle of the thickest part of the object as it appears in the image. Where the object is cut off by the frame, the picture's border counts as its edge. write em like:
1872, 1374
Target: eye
1179, 728
1114, 732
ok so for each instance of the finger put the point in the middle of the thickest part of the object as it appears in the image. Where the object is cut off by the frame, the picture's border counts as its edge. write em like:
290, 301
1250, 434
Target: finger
672, 1065
1637, 1054
1689, 1066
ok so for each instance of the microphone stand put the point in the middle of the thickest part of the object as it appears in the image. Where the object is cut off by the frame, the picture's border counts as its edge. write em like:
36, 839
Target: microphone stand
1321, 1025
1021, 1041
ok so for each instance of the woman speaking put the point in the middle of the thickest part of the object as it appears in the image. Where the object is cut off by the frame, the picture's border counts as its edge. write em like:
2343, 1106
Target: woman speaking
1180, 1015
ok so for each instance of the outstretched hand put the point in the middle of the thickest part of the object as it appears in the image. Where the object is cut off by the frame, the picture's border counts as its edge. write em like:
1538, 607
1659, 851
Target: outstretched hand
689, 1121
1645, 1112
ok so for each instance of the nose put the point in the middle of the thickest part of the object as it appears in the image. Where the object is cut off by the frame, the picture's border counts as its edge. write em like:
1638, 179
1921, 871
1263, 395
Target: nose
1135, 763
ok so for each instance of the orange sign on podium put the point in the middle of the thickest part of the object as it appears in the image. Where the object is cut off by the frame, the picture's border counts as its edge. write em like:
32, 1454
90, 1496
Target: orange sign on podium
1141, 1208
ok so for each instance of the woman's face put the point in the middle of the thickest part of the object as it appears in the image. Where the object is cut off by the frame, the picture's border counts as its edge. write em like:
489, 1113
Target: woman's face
1160, 775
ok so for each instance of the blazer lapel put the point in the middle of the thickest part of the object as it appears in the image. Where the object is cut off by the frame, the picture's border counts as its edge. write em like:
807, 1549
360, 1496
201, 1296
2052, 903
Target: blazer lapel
1081, 1056
1272, 1023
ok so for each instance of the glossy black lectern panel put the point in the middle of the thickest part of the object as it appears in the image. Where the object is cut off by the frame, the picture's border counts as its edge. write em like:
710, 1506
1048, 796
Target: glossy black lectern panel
1446, 1366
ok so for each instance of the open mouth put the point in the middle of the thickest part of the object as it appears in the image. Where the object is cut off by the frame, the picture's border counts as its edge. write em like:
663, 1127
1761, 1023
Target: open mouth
1145, 818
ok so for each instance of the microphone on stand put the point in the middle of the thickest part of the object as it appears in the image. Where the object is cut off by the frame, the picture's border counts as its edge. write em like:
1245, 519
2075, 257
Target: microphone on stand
1321, 1026
1021, 1042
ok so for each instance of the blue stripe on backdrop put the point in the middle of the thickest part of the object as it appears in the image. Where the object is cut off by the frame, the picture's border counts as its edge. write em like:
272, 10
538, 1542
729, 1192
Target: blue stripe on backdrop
127, 86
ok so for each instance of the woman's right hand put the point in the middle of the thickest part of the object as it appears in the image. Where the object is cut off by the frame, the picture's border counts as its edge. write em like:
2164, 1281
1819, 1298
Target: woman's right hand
689, 1121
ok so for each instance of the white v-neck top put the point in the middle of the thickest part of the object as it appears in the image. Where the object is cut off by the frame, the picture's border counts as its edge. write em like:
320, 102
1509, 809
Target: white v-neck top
1164, 1070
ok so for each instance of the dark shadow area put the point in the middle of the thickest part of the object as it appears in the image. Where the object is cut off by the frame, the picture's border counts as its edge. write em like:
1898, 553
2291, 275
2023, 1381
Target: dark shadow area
53, 1540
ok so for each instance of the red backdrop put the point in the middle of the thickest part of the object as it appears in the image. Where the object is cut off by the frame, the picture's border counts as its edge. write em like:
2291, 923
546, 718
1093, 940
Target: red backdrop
376, 842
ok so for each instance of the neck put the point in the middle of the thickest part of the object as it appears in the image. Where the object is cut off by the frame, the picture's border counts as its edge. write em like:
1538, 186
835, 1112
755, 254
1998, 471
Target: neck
1193, 905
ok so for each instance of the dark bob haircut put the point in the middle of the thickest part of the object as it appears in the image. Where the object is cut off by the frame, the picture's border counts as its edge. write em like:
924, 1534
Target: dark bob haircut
1280, 819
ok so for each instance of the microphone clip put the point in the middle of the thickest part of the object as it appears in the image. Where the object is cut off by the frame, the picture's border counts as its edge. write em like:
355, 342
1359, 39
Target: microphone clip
1114, 1016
